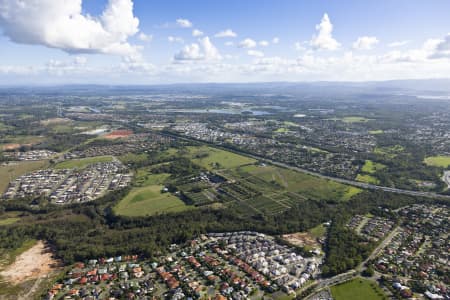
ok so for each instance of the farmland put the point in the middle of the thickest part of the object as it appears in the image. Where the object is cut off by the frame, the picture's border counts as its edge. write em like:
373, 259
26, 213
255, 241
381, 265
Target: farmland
294, 182
438, 161
357, 289
149, 200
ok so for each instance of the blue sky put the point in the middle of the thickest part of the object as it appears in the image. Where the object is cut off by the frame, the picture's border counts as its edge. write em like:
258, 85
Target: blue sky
146, 42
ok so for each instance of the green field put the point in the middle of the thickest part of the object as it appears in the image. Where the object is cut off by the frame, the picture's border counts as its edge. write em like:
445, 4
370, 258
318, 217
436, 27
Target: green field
371, 167
149, 200
282, 130
145, 178
357, 289
302, 184
367, 179
15, 170
438, 161
379, 131
22, 139
133, 158
318, 231
82, 163
212, 158
354, 119
390, 152
8, 221
351, 119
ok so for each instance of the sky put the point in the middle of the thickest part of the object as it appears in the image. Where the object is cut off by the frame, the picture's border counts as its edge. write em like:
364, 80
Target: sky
47, 42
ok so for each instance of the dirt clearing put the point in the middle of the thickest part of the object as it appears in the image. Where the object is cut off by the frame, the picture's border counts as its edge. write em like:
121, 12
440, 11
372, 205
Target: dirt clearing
34, 263
301, 239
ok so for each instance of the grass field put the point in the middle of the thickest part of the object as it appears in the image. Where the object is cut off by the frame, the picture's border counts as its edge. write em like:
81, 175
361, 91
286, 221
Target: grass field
351, 119
390, 152
354, 120
371, 167
282, 130
15, 170
145, 178
438, 161
303, 184
379, 131
212, 158
357, 289
82, 163
133, 158
149, 200
318, 231
8, 221
367, 179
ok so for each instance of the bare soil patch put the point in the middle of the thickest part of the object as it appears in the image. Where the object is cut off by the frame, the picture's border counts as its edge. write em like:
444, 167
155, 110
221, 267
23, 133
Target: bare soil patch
117, 134
11, 146
301, 239
34, 263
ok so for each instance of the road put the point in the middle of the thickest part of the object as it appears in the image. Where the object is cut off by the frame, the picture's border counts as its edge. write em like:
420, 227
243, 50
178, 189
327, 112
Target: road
362, 185
380, 247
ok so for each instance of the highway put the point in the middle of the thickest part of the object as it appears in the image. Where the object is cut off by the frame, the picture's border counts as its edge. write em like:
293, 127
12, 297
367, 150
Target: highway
362, 185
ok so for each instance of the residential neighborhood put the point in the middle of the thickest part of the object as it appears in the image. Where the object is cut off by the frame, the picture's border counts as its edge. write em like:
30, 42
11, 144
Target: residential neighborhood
416, 260
237, 265
64, 186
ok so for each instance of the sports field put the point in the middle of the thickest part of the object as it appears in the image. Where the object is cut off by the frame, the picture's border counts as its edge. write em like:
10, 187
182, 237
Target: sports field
357, 289
149, 200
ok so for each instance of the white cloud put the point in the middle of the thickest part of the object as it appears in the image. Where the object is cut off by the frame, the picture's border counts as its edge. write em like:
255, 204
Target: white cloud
211, 52
197, 33
420, 55
229, 43
247, 43
263, 43
275, 40
255, 53
204, 50
62, 25
175, 39
189, 52
398, 44
365, 43
441, 49
324, 40
184, 23
145, 37
226, 33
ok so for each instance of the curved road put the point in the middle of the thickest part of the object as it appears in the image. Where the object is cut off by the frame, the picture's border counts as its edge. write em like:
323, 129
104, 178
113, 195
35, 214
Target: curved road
337, 179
